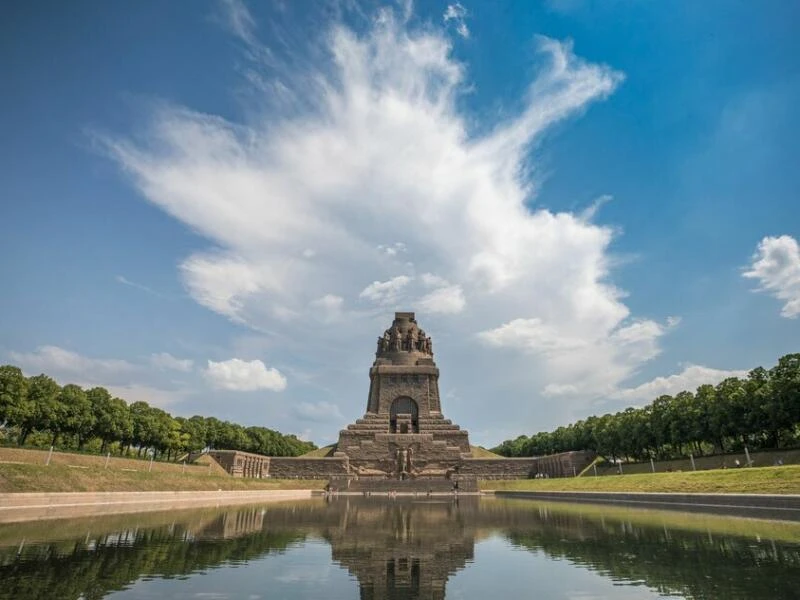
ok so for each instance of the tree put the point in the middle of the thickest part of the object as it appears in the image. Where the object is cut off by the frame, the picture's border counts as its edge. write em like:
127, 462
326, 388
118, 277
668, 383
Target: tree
75, 414
661, 409
195, 428
143, 425
14, 402
43, 393
112, 419
782, 407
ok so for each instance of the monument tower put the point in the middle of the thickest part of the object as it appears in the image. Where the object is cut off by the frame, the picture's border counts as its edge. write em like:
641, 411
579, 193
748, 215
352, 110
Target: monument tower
403, 434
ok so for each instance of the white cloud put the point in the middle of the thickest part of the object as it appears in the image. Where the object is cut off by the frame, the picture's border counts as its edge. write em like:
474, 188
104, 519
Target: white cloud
590, 212
444, 300
244, 376
582, 363
381, 150
692, 377
385, 292
776, 266
457, 14
238, 20
164, 360
58, 362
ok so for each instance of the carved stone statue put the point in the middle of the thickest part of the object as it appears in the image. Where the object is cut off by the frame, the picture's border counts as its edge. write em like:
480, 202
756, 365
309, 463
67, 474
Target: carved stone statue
411, 341
425, 345
397, 342
402, 460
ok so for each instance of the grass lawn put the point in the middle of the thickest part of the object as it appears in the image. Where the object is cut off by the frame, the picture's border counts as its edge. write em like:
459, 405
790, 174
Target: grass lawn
754, 480
62, 478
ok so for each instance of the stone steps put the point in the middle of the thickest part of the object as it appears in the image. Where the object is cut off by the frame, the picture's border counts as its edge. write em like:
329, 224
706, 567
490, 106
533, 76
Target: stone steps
420, 486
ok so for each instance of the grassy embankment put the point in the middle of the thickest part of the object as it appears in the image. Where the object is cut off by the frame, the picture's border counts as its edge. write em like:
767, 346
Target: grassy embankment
24, 470
62, 478
754, 480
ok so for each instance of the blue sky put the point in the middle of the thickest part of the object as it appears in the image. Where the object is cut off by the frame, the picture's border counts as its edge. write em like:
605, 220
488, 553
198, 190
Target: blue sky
217, 206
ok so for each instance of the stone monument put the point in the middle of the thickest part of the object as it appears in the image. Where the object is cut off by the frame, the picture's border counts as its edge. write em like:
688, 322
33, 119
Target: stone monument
403, 434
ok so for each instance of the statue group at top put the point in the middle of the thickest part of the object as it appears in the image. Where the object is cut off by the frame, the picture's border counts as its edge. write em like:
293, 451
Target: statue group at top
414, 340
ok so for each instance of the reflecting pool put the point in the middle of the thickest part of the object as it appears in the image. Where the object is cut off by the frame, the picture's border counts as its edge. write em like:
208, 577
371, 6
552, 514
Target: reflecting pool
371, 548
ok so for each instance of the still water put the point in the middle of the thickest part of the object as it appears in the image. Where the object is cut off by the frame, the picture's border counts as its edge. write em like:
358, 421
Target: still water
371, 548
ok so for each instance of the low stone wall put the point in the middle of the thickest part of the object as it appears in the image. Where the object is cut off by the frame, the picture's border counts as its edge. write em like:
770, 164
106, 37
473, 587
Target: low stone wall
306, 468
243, 464
566, 464
16, 507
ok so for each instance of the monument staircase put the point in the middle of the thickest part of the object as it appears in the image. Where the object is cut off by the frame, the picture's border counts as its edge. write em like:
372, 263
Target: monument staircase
419, 487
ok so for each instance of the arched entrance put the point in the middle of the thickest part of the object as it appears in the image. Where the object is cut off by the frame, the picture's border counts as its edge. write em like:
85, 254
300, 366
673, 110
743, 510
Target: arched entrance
404, 416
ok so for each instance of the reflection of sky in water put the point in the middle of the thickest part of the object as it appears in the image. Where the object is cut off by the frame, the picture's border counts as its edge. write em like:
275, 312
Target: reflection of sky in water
307, 572
525, 574
374, 549
302, 572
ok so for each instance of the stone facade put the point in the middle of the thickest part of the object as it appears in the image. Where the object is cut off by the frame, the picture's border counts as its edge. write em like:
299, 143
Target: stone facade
403, 434
245, 464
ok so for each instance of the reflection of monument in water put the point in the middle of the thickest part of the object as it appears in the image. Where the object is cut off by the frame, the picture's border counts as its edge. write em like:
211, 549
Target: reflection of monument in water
405, 549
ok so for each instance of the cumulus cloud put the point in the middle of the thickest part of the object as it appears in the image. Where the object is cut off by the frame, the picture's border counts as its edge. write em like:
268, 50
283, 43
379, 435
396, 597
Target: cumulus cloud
448, 299
580, 361
381, 150
692, 377
385, 292
244, 376
776, 267
164, 360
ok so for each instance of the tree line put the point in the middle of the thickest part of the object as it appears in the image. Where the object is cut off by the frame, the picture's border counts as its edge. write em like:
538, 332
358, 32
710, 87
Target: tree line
761, 411
39, 408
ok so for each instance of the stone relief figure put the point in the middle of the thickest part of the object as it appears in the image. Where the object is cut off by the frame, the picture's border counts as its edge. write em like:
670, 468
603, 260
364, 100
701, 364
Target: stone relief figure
409, 463
383, 342
421, 340
402, 459
396, 338
411, 340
